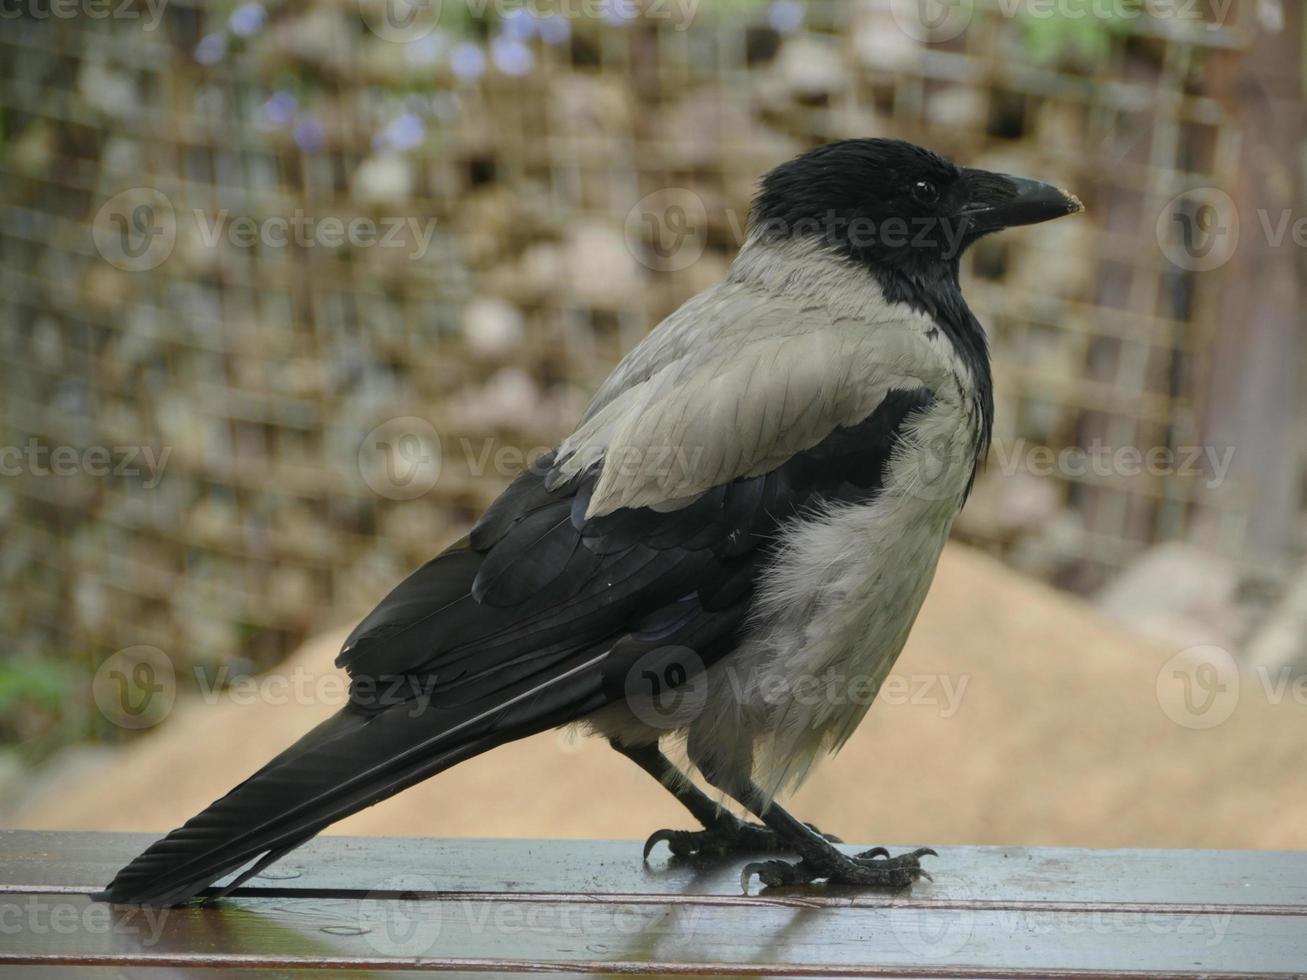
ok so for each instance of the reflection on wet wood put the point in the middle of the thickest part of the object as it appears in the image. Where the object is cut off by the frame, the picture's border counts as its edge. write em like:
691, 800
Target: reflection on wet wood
585, 907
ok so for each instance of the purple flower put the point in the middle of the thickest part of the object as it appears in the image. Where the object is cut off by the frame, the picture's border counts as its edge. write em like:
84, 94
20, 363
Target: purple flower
211, 49
512, 57
404, 132
786, 16
554, 29
309, 134
247, 19
468, 61
519, 23
280, 108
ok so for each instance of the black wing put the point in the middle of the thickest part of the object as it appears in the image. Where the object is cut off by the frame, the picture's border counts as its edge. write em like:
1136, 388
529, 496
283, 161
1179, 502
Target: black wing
534, 620
537, 588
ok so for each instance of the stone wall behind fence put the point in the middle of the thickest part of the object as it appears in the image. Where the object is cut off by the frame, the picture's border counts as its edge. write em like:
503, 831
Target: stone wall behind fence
290, 290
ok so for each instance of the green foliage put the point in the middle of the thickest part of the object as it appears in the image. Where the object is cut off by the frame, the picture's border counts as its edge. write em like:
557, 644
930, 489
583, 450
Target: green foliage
731, 7
1051, 29
42, 682
40, 705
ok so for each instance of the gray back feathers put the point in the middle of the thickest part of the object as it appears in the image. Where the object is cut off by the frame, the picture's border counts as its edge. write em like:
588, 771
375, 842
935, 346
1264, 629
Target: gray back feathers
762, 366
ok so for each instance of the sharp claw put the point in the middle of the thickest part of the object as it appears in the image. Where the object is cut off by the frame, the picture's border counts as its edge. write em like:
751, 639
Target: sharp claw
923, 851
875, 852
657, 837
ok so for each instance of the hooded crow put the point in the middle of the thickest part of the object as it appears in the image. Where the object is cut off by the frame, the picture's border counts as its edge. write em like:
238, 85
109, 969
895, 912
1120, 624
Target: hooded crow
756, 498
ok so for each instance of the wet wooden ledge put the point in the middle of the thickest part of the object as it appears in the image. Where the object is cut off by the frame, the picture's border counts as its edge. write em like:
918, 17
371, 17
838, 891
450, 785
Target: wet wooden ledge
393, 906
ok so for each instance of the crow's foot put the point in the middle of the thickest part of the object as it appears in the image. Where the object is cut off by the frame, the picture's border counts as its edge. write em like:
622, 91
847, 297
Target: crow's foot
874, 867
726, 837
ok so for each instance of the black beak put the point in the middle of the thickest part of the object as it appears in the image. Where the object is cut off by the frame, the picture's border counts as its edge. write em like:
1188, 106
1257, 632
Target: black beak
996, 201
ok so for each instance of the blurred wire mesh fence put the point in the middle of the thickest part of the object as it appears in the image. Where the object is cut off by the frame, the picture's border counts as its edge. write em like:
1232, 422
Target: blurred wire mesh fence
290, 290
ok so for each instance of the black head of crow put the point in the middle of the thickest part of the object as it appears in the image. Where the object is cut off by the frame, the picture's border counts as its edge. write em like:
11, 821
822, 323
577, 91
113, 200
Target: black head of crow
756, 497
886, 203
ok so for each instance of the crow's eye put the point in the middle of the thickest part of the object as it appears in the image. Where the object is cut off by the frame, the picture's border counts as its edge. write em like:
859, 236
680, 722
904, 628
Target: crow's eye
924, 192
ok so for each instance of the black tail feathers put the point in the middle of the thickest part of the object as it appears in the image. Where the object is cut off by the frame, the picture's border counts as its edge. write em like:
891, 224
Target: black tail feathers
347, 763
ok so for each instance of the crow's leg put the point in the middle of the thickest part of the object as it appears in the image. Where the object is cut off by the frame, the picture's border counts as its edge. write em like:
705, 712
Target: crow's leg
723, 832
820, 858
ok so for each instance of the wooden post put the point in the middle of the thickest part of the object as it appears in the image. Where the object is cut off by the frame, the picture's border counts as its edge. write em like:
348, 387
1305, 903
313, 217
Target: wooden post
1255, 393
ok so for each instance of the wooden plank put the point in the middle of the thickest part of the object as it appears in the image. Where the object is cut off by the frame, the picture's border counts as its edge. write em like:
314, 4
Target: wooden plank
669, 938
1242, 882
392, 906
59, 971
